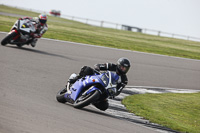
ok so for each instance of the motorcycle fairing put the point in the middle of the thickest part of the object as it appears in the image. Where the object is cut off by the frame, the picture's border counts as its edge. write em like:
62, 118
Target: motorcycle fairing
82, 84
107, 80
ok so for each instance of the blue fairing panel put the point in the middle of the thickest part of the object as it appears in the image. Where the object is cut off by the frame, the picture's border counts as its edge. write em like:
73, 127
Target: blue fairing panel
81, 84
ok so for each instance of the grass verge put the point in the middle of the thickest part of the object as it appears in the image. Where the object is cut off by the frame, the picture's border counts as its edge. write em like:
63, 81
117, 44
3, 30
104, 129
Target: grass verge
68, 30
180, 112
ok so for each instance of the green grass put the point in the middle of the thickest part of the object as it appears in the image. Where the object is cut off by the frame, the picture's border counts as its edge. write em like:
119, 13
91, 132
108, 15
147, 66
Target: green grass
180, 112
8, 9
68, 30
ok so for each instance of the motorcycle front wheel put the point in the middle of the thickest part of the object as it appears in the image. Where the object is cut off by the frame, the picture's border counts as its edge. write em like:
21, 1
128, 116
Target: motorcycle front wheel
60, 96
8, 38
85, 100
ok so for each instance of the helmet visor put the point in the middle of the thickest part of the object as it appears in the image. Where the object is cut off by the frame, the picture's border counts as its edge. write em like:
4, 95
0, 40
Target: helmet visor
124, 69
42, 21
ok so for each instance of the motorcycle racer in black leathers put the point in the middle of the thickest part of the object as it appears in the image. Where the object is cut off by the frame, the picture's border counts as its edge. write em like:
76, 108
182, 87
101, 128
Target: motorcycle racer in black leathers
121, 68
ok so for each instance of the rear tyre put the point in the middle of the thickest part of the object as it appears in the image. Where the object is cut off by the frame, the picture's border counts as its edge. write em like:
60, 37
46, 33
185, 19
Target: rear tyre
85, 100
8, 38
60, 96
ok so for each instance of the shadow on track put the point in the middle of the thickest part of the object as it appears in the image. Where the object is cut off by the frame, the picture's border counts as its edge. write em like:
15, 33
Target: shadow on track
92, 110
41, 52
97, 112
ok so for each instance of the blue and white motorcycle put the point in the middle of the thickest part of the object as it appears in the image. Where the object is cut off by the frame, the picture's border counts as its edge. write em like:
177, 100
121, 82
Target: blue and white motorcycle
89, 90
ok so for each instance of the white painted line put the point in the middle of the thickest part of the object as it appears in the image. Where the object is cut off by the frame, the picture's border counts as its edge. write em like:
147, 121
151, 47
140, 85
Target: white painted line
149, 89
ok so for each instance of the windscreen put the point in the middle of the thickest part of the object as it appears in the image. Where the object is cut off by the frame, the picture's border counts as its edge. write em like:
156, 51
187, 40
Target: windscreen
105, 79
114, 78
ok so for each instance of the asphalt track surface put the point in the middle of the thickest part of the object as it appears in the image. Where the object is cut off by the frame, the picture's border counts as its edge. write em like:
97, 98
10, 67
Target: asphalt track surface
31, 77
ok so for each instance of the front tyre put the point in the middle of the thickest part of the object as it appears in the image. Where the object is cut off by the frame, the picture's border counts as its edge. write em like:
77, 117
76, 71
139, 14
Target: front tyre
60, 96
8, 38
85, 100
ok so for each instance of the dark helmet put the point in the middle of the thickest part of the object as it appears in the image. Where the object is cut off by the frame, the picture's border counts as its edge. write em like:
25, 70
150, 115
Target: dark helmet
123, 66
42, 19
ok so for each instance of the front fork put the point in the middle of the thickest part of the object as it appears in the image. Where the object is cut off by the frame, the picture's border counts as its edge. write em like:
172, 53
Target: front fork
68, 94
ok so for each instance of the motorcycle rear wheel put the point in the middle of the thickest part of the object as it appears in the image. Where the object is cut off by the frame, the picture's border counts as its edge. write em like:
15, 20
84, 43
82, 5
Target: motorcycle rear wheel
7, 39
83, 101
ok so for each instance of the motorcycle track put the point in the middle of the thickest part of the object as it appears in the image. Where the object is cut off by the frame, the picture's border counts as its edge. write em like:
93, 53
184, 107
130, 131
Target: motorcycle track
31, 77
